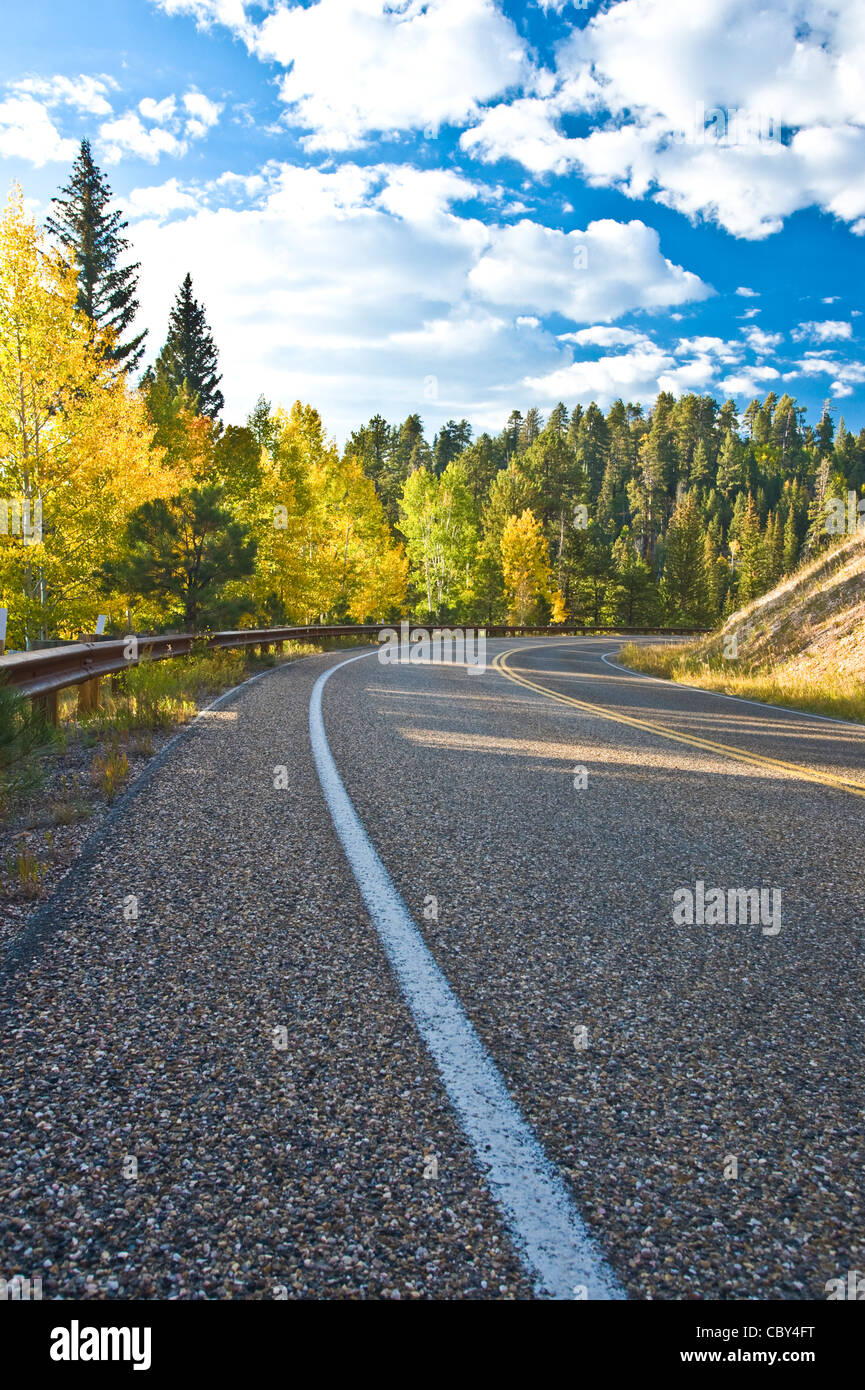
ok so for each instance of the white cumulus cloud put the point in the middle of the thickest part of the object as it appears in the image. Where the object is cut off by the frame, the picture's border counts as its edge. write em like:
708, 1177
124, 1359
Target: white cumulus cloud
364, 288
231, 13
845, 375
158, 111
171, 124
159, 200
591, 276
823, 331
710, 347
604, 336
759, 341
29, 126
127, 135
27, 131
358, 67
83, 93
202, 113
737, 111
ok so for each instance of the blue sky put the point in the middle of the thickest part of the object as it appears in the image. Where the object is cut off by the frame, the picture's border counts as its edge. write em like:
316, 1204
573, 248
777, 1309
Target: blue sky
461, 206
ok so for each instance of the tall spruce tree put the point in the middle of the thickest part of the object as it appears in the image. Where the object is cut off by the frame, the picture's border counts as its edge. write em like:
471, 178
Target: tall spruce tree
190, 354
84, 225
685, 582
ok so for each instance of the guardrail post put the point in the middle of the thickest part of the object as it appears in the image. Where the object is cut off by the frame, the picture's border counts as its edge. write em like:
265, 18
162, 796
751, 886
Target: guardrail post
88, 695
88, 691
46, 705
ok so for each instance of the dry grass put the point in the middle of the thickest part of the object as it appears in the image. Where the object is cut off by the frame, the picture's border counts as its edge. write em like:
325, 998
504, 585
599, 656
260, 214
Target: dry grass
842, 697
802, 645
159, 695
109, 771
24, 873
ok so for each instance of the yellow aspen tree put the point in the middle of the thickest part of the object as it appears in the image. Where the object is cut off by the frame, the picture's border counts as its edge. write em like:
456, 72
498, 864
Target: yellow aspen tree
525, 565
325, 547
75, 442
559, 610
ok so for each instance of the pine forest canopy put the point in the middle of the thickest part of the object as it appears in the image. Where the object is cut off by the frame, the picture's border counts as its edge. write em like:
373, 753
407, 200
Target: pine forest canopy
680, 512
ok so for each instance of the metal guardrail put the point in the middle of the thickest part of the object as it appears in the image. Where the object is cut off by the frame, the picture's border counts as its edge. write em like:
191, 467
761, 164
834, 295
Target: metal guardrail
505, 630
52, 669
41, 675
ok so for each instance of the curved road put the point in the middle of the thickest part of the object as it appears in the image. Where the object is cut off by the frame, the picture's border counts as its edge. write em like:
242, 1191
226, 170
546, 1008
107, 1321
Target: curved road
491, 1058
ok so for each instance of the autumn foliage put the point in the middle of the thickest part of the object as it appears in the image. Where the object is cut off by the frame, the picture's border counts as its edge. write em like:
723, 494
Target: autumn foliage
104, 486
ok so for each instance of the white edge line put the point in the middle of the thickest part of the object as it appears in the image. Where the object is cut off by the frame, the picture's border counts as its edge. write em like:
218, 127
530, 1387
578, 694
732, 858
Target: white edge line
547, 1230
740, 699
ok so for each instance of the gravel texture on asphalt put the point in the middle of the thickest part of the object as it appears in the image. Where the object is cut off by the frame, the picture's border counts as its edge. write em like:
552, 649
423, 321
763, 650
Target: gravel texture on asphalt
294, 1161
54, 822
705, 1043
289, 1162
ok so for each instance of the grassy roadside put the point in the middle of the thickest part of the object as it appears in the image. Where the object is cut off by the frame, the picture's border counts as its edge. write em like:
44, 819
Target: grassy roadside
56, 783
158, 695
839, 695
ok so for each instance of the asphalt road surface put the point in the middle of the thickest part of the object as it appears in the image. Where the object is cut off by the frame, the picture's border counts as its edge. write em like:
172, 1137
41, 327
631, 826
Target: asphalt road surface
400, 999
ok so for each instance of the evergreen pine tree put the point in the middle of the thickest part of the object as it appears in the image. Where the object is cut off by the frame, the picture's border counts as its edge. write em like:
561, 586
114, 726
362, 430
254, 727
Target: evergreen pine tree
753, 579
85, 227
190, 354
701, 472
717, 574
775, 546
825, 432
785, 428
685, 587
512, 432
558, 421
636, 593
818, 537
728, 420
531, 427
592, 444
606, 501
730, 465
791, 542
183, 551
662, 440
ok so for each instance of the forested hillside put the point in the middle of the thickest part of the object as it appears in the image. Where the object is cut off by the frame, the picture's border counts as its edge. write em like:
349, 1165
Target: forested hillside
681, 512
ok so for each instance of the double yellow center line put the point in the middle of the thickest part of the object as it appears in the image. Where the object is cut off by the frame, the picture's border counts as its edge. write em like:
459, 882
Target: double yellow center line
742, 755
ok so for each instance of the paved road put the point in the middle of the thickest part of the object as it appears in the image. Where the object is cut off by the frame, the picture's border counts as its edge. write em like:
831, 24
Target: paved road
686, 1099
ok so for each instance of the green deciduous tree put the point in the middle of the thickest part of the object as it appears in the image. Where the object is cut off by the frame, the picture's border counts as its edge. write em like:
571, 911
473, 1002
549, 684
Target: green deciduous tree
439, 522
